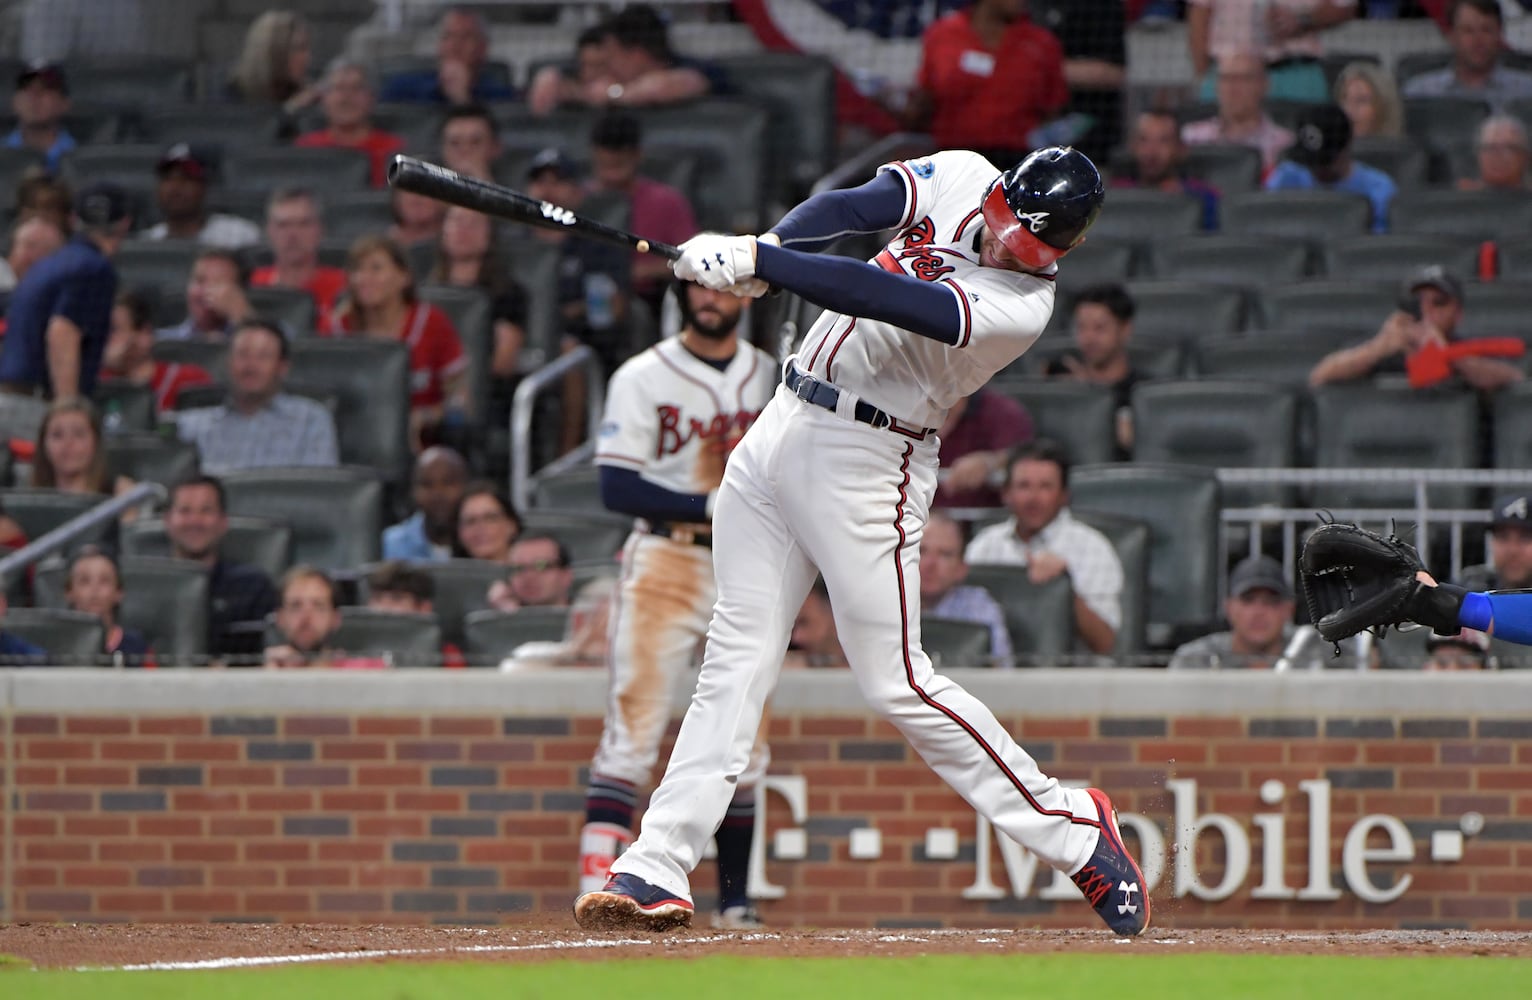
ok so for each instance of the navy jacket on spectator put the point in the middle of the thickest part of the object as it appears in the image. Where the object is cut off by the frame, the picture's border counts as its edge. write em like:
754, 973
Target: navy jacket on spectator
238, 594
12, 646
78, 283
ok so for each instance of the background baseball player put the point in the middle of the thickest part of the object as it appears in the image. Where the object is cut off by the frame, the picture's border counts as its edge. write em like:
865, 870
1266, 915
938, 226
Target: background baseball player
673, 415
838, 475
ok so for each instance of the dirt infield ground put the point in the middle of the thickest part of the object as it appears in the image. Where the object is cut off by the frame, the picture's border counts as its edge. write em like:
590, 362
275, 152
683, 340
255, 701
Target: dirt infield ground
245, 945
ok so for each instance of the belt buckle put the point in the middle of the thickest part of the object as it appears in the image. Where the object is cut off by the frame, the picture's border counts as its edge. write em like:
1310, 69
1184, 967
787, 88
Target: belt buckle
805, 389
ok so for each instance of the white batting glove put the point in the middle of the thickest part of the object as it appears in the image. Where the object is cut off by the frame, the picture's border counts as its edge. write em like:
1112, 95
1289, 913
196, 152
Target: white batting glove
715, 261
754, 288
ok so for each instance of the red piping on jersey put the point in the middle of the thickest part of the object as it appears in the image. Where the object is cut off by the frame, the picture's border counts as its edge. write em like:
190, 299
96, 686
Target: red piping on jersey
967, 313
909, 666
958, 234
909, 187
830, 361
739, 393
823, 340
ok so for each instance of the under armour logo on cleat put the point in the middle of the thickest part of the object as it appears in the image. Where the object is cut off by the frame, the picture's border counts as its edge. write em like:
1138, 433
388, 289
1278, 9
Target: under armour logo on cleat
718, 257
1127, 889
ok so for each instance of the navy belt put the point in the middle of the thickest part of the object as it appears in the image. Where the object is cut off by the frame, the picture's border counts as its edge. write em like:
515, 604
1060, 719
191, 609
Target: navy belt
813, 390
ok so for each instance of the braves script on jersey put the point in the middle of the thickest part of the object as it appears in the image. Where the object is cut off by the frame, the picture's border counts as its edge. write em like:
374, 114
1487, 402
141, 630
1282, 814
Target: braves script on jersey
813, 490
915, 379
674, 418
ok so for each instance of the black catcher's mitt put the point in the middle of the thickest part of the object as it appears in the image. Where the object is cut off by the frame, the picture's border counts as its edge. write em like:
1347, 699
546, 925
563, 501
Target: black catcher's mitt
1355, 579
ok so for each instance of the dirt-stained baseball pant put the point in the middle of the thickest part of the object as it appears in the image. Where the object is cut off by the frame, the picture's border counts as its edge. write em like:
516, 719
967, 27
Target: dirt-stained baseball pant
812, 488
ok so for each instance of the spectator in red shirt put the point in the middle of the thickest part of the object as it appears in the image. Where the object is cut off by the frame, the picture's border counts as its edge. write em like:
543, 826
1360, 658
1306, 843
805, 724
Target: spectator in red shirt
988, 77
657, 210
978, 434
294, 229
128, 357
347, 100
381, 302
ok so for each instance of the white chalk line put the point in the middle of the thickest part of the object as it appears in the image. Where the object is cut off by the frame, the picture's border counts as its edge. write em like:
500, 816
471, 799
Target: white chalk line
260, 961
1171, 937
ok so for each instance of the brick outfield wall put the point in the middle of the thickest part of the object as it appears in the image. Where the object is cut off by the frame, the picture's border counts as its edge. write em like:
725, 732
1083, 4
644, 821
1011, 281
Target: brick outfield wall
408, 818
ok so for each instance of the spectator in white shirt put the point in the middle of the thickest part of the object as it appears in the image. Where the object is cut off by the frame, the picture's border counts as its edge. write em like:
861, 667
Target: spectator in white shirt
942, 593
260, 426
1043, 536
1241, 119
1477, 36
181, 193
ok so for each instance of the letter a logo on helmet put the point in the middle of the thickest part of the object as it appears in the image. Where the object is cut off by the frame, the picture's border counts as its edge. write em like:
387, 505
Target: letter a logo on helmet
1041, 208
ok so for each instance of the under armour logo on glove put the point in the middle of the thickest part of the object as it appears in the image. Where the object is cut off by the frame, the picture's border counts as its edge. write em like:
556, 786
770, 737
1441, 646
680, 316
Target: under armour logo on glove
716, 261
1127, 889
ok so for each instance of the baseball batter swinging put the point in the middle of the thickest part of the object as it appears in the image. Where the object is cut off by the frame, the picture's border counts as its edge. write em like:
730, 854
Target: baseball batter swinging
673, 415
838, 474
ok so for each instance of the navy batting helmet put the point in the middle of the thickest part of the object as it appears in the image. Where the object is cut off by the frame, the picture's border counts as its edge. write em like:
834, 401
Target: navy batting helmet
1041, 208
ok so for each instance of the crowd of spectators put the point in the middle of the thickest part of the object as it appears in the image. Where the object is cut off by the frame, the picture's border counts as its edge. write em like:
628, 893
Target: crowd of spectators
1000, 76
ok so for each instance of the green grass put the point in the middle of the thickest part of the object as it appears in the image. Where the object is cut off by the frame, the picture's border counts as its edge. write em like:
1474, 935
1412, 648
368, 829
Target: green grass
1143, 976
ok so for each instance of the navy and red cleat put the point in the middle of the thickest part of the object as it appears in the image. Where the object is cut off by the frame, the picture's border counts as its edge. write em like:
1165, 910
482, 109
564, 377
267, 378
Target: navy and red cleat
1111, 880
629, 903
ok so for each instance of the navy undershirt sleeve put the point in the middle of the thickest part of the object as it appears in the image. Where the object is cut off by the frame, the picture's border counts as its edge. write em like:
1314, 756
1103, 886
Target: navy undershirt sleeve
824, 218
626, 492
856, 288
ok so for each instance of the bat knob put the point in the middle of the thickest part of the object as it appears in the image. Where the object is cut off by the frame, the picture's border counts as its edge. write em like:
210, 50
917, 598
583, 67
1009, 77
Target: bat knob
395, 167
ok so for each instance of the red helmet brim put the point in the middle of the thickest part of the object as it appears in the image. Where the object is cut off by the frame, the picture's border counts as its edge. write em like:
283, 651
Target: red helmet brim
1015, 234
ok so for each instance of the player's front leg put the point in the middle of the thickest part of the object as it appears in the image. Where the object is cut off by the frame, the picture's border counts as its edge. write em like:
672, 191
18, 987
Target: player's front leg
762, 578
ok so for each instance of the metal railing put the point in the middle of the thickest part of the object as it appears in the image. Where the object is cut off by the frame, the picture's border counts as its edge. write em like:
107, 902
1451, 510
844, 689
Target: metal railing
1415, 522
523, 479
899, 146
55, 540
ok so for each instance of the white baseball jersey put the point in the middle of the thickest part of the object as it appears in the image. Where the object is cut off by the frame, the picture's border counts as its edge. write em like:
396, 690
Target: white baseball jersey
674, 418
916, 379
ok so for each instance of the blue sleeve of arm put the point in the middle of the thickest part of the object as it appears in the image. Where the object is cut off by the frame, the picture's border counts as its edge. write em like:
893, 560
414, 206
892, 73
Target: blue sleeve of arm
626, 492
1506, 616
829, 215
856, 288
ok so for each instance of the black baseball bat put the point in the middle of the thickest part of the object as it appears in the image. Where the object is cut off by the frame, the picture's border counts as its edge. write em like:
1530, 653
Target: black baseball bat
410, 174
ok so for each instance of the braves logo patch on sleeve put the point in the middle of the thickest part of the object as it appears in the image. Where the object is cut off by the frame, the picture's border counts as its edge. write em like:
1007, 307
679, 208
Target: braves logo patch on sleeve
923, 169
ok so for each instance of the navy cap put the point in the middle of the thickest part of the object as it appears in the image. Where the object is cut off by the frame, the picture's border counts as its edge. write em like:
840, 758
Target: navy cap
1321, 134
186, 158
51, 74
1438, 277
553, 159
102, 204
1259, 573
